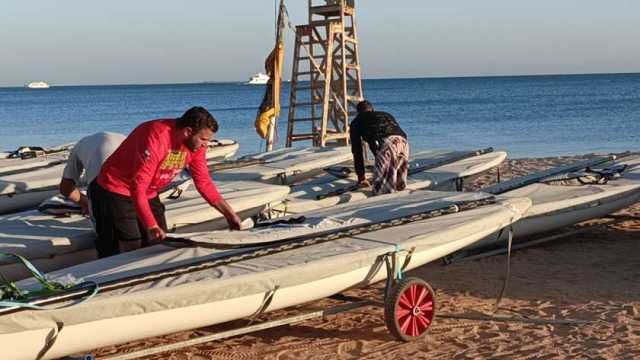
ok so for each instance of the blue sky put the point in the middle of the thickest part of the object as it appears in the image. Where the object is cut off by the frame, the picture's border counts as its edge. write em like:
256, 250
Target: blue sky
118, 42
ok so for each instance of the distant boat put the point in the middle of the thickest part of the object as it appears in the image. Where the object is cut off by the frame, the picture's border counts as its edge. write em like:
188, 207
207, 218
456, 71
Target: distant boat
38, 85
258, 79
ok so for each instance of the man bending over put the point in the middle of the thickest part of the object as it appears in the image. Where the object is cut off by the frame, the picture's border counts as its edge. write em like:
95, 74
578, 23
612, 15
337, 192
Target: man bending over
124, 196
387, 142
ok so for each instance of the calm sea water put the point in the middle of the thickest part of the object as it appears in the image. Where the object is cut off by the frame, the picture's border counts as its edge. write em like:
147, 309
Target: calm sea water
525, 115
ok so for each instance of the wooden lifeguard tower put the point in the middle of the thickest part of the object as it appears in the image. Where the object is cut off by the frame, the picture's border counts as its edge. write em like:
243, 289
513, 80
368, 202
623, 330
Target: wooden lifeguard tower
326, 82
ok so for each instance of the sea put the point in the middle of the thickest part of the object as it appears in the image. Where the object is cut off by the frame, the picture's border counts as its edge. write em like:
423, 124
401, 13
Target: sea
528, 116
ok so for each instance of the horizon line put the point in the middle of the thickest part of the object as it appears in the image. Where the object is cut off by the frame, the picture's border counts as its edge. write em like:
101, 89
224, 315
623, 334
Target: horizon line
368, 78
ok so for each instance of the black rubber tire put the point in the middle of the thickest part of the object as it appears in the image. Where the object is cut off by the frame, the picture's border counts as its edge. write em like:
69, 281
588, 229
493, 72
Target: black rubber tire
392, 304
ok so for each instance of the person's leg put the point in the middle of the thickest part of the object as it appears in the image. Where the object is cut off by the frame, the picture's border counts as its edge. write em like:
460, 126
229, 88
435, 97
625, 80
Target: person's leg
105, 242
403, 165
158, 210
126, 231
384, 172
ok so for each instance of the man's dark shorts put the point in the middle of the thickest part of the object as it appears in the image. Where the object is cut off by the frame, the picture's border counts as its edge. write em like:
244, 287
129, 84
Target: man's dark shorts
117, 220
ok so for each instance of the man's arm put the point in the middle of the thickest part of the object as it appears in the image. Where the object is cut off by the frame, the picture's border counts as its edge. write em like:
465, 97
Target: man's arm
145, 161
207, 189
70, 191
356, 150
70, 175
229, 214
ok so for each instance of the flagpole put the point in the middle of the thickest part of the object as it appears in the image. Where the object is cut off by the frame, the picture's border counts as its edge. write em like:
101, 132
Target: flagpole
273, 120
267, 118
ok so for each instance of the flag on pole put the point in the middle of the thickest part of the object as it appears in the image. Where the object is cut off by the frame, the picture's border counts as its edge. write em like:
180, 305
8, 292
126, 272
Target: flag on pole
270, 106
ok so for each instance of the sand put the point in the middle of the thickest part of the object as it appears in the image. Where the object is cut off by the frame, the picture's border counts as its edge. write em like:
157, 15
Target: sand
592, 276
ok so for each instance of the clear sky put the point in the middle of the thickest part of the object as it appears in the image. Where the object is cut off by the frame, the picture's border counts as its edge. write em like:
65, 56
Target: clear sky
142, 41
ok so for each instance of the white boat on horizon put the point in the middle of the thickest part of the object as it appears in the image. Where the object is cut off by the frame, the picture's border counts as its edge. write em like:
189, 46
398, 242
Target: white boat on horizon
258, 79
38, 85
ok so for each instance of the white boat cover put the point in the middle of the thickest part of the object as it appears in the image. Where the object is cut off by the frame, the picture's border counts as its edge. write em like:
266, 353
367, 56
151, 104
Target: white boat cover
430, 239
39, 236
287, 166
303, 196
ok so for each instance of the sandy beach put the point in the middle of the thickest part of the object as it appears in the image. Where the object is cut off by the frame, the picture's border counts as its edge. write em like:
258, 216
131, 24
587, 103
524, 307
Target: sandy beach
590, 276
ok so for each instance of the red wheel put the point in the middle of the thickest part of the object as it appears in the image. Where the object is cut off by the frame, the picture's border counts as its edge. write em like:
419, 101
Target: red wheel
410, 309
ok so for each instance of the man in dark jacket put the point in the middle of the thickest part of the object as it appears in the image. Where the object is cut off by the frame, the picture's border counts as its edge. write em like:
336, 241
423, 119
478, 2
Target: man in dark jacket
387, 142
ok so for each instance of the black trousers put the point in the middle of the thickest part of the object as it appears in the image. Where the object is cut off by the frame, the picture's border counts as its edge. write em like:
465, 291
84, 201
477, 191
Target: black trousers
117, 219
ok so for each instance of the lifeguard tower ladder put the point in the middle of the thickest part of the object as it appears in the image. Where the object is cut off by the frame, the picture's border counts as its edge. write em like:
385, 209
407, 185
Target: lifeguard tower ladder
326, 82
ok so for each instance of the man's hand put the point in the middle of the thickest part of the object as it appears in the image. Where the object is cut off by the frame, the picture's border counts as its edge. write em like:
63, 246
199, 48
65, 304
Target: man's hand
363, 183
232, 218
234, 221
69, 190
84, 204
156, 235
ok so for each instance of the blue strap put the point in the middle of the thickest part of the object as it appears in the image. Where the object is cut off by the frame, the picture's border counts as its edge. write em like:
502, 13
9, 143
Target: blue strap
34, 271
47, 285
27, 305
398, 267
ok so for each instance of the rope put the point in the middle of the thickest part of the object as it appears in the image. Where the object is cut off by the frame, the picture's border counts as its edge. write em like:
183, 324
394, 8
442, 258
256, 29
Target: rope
266, 301
539, 321
50, 340
502, 318
507, 274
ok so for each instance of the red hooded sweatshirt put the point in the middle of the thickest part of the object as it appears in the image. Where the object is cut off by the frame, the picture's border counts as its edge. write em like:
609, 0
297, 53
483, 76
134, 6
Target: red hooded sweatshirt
147, 161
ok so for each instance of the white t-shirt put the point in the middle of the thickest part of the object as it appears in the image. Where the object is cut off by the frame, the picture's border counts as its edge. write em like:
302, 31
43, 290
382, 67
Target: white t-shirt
88, 154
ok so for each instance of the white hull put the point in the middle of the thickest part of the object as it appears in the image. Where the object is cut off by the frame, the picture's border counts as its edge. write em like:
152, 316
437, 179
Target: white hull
442, 178
27, 189
556, 206
13, 202
454, 232
9, 165
38, 85
14, 272
286, 166
52, 243
258, 79
223, 149
73, 338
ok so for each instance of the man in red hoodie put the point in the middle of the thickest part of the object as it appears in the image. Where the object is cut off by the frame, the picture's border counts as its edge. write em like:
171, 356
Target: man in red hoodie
124, 196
